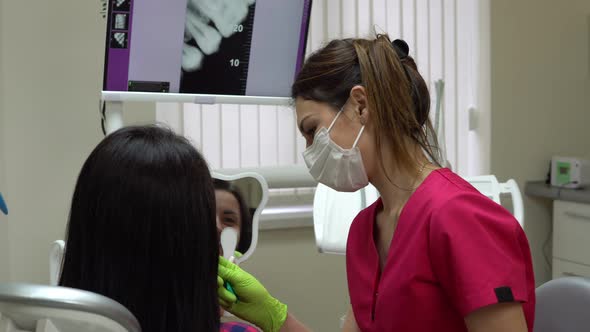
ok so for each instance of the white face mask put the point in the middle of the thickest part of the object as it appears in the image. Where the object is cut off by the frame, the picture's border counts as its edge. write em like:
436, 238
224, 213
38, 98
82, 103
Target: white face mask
338, 168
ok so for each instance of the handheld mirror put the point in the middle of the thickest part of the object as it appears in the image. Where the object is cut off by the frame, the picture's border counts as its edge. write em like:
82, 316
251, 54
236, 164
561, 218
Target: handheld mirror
240, 199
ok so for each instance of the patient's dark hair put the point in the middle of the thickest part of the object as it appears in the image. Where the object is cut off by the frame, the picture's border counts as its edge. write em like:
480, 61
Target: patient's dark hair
142, 230
245, 215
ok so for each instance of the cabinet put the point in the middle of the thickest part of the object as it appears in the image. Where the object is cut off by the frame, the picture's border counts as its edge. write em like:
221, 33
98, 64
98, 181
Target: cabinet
571, 239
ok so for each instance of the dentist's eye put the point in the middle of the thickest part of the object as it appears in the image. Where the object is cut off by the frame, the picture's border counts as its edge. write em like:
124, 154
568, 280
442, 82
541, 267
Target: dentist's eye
311, 132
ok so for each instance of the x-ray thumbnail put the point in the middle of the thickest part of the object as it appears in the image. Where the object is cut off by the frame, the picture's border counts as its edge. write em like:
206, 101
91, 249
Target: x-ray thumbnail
121, 5
118, 40
120, 21
216, 48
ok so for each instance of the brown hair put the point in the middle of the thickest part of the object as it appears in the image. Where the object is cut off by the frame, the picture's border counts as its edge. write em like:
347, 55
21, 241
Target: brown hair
397, 93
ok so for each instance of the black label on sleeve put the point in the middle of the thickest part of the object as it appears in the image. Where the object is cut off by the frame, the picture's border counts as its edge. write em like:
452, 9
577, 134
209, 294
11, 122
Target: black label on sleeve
504, 294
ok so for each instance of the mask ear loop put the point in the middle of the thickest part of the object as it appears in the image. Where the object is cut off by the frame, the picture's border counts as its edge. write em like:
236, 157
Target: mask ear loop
358, 137
334, 121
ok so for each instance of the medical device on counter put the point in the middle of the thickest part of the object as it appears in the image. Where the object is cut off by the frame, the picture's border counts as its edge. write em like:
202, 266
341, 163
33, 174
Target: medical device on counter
569, 172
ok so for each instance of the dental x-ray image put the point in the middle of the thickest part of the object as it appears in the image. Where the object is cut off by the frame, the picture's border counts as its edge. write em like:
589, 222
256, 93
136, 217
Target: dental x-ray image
119, 40
121, 5
120, 21
216, 48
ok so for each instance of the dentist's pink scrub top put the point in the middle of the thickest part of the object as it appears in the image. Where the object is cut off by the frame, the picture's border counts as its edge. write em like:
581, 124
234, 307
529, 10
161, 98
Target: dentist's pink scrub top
453, 251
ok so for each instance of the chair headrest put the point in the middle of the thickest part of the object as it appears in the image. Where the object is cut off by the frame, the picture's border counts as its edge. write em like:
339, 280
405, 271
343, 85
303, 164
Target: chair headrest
54, 298
333, 213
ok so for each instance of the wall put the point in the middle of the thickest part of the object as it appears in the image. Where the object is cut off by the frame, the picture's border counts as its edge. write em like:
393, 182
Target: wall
51, 60
540, 97
50, 97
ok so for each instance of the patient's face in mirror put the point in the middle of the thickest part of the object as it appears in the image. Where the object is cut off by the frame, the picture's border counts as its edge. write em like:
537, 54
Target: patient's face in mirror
228, 211
236, 201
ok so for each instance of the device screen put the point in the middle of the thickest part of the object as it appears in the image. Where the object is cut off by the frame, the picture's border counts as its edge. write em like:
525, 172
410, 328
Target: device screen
564, 170
227, 47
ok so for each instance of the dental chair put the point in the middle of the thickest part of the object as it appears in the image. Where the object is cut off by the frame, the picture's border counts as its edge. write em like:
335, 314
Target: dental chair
40, 308
333, 211
56, 253
562, 305
489, 186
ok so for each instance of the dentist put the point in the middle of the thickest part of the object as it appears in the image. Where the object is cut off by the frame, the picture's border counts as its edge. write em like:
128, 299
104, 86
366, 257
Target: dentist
432, 253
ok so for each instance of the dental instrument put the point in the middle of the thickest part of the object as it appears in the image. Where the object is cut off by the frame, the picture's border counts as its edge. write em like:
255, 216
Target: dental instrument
229, 242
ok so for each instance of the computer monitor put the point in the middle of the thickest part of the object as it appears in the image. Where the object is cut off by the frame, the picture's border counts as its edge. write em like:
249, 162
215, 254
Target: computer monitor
203, 50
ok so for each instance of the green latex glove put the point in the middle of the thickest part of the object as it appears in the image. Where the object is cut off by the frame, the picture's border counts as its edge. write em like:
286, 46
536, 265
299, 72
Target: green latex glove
253, 302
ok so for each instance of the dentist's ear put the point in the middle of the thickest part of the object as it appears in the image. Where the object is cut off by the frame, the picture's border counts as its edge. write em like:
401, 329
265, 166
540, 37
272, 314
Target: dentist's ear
358, 95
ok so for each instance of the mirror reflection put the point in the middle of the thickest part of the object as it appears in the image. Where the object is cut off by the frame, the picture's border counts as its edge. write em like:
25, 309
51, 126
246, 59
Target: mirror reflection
237, 202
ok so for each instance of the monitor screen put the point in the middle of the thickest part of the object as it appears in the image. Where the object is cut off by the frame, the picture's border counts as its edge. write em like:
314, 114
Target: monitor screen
210, 47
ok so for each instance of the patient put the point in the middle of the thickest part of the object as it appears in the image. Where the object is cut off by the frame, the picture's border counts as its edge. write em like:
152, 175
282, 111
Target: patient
232, 211
142, 230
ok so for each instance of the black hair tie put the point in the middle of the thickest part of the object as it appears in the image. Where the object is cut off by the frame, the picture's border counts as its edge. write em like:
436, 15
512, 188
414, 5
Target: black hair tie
401, 48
